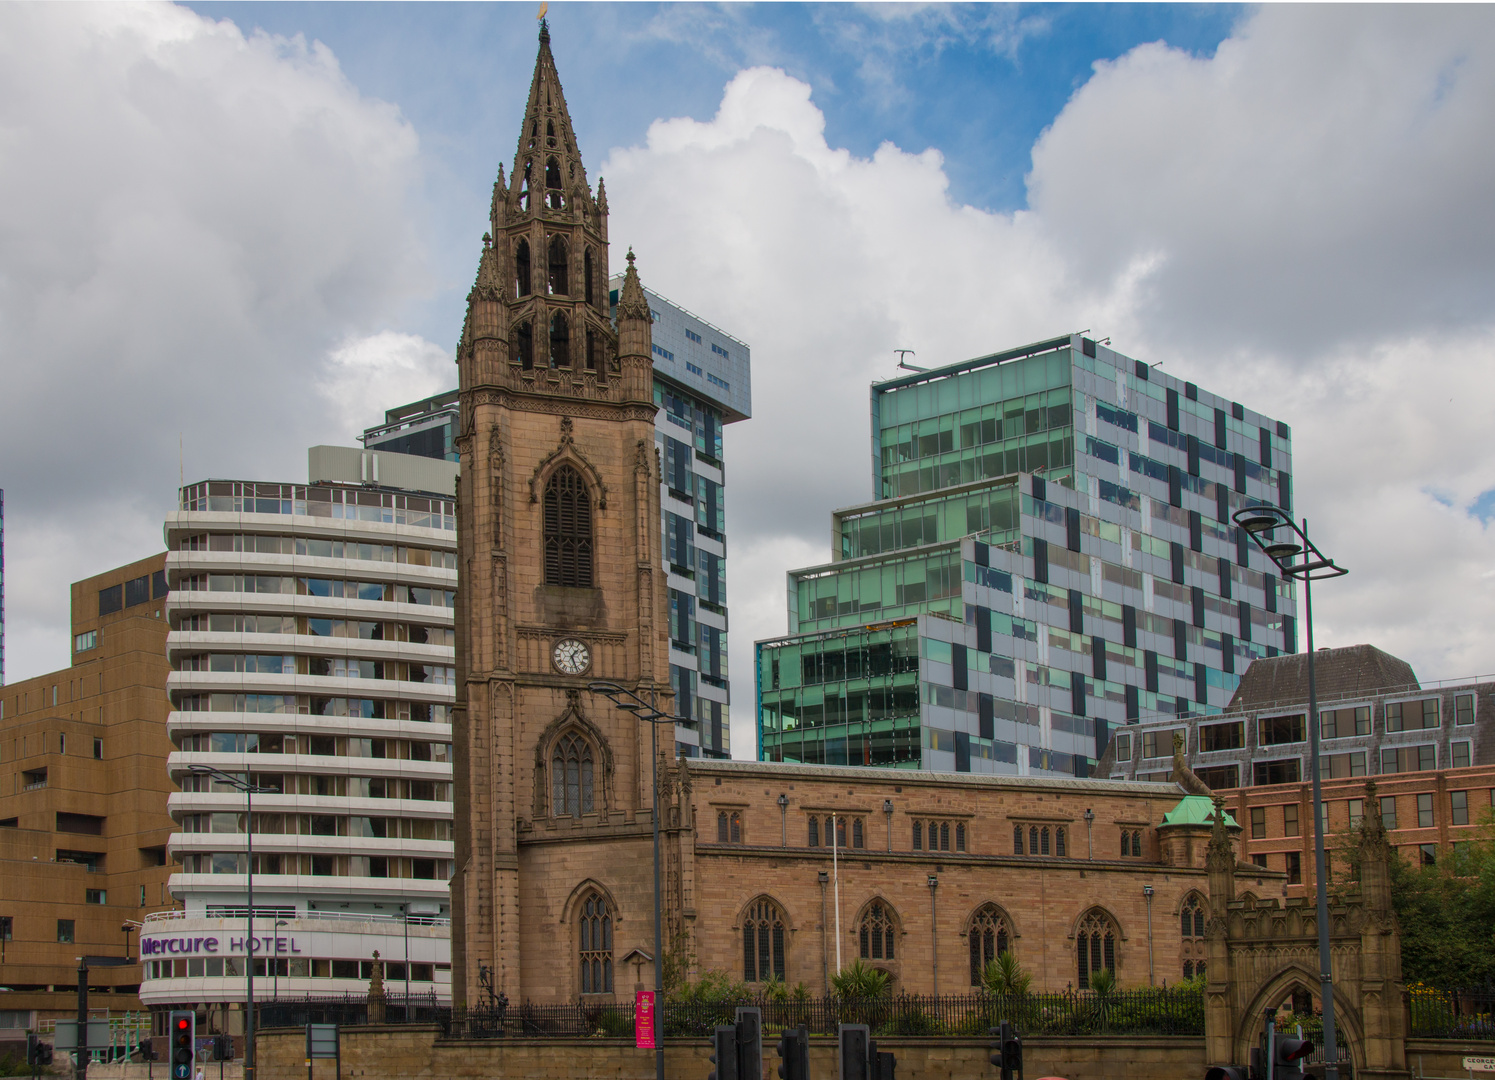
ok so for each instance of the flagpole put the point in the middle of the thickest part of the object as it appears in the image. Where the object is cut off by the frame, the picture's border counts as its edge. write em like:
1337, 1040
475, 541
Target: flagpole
836, 878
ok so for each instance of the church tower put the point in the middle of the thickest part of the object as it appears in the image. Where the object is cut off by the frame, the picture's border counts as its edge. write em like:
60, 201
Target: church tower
559, 564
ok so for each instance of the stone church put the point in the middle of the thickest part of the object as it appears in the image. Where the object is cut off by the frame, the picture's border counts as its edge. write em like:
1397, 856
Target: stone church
562, 585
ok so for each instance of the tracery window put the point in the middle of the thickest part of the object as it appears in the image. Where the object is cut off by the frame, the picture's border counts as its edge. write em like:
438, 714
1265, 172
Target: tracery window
918, 836
856, 833
814, 831
1032, 839
1017, 839
586, 267
524, 345
521, 268
989, 937
1131, 843
735, 822
1191, 918
721, 826
960, 836
571, 788
763, 942
560, 341
559, 266
876, 932
728, 827
1095, 946
1043, 840
1059, 842
568, 530
596, 946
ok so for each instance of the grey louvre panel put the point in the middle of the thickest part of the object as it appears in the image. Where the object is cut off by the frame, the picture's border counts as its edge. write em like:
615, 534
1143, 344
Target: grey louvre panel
982, 554
1175, 485
1240, 473
1224, 579
985, 716
1242, 548
1133, 703
1151, 663
1128, 626
983, 629
1285, 491
1077, 695
1172, 410
1072, 527
958, 667
962, 751
1192, 443
1087, 346
1227, 654
1040, 560
1289, 634
1198, 598
1282, 430
1245, 620
1040, 489
1269, 586
1196, 531
1076, 612
1141, 369
1201, 684
1191, 391
1098, 658
1220, 429
1266, 448
1222, 504
1180, 639
1178, 562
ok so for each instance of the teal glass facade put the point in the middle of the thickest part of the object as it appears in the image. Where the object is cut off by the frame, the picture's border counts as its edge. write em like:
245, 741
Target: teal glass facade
1062, 550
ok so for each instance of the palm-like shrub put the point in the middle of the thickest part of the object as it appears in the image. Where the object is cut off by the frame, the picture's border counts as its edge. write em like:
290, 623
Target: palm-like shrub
1005, 977
860, 981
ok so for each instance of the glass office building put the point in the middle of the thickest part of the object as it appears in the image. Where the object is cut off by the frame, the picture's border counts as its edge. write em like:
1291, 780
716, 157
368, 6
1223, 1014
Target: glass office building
1049, 556
702, 382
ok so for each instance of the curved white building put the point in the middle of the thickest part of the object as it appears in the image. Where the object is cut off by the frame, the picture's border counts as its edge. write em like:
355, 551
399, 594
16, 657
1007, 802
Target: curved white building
312, 654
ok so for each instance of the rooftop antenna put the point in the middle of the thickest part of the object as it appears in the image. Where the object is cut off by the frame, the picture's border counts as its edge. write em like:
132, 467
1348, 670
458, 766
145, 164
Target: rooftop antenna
907, 352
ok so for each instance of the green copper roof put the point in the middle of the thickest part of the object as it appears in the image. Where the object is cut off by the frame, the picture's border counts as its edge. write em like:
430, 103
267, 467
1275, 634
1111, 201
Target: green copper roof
1195, 810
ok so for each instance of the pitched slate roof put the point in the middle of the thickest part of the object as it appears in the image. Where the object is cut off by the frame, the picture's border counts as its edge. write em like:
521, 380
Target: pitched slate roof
1339, 673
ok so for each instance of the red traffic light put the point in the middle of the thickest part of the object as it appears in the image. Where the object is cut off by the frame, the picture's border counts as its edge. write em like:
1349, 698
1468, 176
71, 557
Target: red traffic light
182, 1024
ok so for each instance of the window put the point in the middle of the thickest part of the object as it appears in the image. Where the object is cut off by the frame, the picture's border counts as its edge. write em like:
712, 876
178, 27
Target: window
1339, 766
1259, 860
521, 269
1193, 968
763, 942
960, 837
93, 896
944, 836
718, 349
1278, 730
721, 827
1427, 854
1395, 759
989, 938
1059, 843
1425, 810
111, 600
919, 837
1388, 811
560, 341
1282, 771
1412, 715
1157, 744
856, 833
65, 931
1222, 736
571, 790
1017, 839
1357, 812
1294, 868
98, 749
814, 840
1219, 777
693, 336
1463, 709
84, 642
1290, 821
1342, 723
1191, 918
1459, 755
596, 946
1258, 823
1123, 744
568, 530
1043, 840
1095, 946
1131, 843
7, 927
558, 263
1458, 807
734, 823
876, 932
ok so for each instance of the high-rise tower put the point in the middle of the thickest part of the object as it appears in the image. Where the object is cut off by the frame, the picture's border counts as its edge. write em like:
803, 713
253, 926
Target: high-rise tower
558, 567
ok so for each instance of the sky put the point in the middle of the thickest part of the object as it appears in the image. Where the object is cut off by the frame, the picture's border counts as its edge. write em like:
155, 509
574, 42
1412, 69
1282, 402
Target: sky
232, 231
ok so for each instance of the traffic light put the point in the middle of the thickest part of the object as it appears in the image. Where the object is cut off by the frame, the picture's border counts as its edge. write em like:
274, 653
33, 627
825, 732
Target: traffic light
749, 1043
1226, 1072
794, 1048
1287, 1057
881, 1064
724, 1053
183, 1025
223, 1048
852, 1046
146, 1048
1007, 1051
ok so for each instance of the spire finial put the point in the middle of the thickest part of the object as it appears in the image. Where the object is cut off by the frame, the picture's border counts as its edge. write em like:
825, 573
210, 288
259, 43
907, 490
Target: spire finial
487, 240
544, 26
630, 255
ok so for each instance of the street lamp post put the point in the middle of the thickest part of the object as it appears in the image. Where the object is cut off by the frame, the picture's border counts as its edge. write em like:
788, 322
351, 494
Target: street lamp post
1296, 557
248, 788
1147, 892
627, 701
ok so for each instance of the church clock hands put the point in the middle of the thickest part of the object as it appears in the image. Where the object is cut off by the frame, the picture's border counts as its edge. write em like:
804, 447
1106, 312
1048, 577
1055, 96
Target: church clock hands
571, 656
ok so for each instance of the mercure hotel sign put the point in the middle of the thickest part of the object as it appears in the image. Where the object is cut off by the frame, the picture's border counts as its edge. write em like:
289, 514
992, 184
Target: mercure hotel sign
210, 945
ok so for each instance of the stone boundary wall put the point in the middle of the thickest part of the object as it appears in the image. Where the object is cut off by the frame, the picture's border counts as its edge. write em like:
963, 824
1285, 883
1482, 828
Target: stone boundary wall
416, 1052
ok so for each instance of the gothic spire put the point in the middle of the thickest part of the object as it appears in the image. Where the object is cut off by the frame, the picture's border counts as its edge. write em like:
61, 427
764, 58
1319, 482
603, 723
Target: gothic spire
547, 156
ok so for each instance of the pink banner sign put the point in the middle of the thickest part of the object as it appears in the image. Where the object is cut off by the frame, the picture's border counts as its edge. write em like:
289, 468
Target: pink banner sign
643, 1019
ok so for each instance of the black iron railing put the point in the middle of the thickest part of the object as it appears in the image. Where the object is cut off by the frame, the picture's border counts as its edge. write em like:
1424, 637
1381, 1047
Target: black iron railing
1467, 1013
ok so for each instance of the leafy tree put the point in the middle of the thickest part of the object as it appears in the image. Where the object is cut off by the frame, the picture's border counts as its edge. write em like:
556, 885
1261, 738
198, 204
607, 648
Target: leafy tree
1005, 976
859, 980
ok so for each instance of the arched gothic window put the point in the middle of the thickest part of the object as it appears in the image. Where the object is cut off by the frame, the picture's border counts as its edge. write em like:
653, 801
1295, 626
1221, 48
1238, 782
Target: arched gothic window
521, 269
1017, 839
989, 937
1191, 918
559, 268
586, 269
736, 823
944, 836
856, 833
1032, 839
593, 351
1043, 841
571, 790
1126, 842
876, 932
1095, 946
524, 346
596, 946
814, 832
960, 837
552, 173
568, 530
840, 832
524, 187
1136, 844
560, 341
763, 942
1059, 842
1193, 968
721, 826
918, 836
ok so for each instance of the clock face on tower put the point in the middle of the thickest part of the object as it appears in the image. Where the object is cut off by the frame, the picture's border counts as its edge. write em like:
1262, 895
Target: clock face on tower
571, 656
